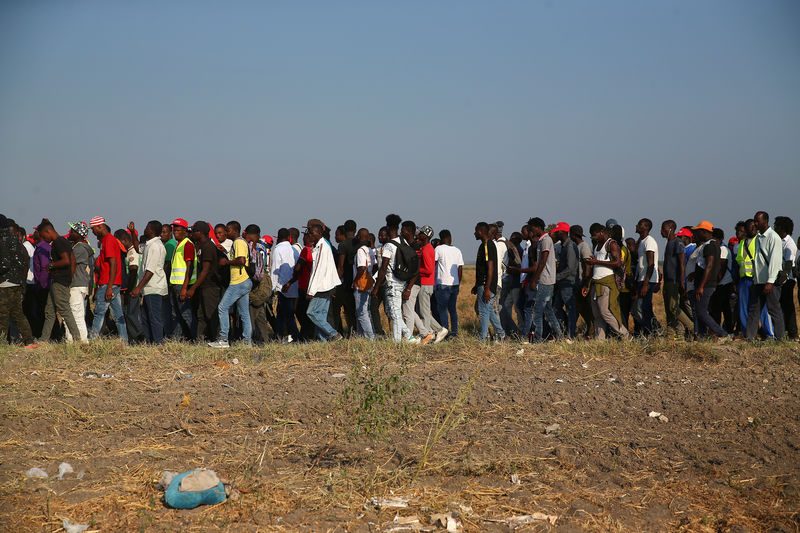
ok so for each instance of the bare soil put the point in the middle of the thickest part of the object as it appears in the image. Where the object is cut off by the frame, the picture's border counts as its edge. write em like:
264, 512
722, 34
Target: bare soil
275, 429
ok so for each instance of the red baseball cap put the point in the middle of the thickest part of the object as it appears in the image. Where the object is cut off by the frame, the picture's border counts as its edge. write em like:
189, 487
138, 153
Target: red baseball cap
733, 240
561, 226
180, 222
683, 232
267, 239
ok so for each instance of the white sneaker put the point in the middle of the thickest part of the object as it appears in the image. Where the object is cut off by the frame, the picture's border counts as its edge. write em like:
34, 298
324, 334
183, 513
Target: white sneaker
219, 344
288, 339
413, 340
440, 336
567, 340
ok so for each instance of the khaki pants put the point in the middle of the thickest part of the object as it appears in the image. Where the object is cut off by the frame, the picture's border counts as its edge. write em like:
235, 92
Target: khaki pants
603, 315
58, 302
672, 307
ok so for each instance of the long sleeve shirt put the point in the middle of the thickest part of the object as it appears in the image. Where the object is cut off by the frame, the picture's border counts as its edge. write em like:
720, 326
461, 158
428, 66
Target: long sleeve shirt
567, 269
769, 257
427, 265
324, 276
41, 258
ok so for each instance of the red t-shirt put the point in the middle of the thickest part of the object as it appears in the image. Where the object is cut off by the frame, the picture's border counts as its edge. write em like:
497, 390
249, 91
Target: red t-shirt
109, 247
427, 265
305, 271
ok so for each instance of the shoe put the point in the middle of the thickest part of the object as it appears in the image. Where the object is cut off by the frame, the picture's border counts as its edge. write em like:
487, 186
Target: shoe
428, 338
567, 340
335, 338
288, 340
32, 346
440, 336
412, 340
219, 344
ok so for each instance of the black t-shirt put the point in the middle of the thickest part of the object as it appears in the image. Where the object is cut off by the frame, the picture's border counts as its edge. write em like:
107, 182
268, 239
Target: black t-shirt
348, 248
710, 249
486, 252
209, 253
62, 275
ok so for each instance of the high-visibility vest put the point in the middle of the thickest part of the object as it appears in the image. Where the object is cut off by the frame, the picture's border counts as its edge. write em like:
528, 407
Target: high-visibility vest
178, 272
745, 260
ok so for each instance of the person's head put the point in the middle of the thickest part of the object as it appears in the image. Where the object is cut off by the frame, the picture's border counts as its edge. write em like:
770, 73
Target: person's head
481, 231
350, 228
598, 232
294, 235
393, 224
560, 232
515, 238
493, 232
362, 236
221, 232
616, 233
97, 225
4, 224
524, 232
383, 235
340, 234
762, 221
253, 232
200, 231
23, 235
718, 235
124, 237
535, 227
446, 237
750, 229
407, 230
283, 234
739, 230
233, 229
576, 233
783, 226
307, 238
314, 233
372, 240
499, 225
668, 228
179, 231
78, 231
166, 232
152, 229
46, 231
644, 226
424, 235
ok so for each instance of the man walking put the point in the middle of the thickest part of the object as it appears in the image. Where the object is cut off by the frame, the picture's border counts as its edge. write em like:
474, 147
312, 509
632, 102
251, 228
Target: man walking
784, 227
14, 262
284, 258
449, 266
427, 276
767, 263
238, 291
363, 282
396, 280
542, 282
485, 288
109, 280
82, 278
674, 275
567, 267
183, 274
152, 283
706, 275
323, 281
646, 277
61, 267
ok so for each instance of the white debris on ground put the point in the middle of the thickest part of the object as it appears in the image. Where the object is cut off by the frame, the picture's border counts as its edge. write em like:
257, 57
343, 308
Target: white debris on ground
64, 468
36, 473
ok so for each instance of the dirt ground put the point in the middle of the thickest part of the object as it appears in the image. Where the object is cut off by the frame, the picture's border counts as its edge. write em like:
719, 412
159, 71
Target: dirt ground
275, 427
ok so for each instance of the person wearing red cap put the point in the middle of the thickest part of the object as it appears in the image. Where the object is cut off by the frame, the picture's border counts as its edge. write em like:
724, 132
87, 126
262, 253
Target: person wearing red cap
183, 274
108, 269
567, 267
674, 274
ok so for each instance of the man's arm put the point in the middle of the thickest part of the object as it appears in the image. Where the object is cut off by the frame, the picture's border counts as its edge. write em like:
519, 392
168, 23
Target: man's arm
651, 265
201, 277
539, 267
381, 275
710, 262
487, 294
298, 267
63, 260
682, 270
460, 269
113, 265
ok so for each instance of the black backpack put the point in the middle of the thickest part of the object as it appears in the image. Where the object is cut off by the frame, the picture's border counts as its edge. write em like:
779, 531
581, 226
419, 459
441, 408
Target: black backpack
406, 261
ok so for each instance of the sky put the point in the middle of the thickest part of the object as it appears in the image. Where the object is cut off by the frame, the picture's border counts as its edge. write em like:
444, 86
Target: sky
444, 112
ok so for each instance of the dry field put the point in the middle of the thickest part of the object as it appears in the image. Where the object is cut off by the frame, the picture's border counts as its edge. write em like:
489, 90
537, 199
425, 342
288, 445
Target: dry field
308, 435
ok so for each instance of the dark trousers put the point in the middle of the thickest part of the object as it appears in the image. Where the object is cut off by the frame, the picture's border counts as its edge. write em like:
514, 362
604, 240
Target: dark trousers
564, 305
625, 306
308, 331
787, 306
757, 301
344, 300
285, 317
704, 320
153, 317
583, 307
206, 300
182, 311
34, 305
446, 298
375, 311
133, 319
720, 308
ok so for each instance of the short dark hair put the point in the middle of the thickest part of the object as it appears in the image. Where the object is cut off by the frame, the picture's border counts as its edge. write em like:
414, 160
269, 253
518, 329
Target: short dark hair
350, 225
616, 233
201, 226
166, 226
648, 223
340, 230
763, 214
252, 229
122, 234
482, 225
283, 234
670, 224
44, 224
22, 230
785, 223
596, 227
445, 234
316, 227
718, 233
740, 224
295, 233
393, 221
235, 225
383, 228
536, 222
220, 225
409, 224
155, 226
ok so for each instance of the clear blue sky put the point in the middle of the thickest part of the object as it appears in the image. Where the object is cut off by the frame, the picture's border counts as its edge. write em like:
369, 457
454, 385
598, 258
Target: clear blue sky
445, 112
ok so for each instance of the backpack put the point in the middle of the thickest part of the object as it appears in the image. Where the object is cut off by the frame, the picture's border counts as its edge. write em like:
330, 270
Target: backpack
258, 259
406, 261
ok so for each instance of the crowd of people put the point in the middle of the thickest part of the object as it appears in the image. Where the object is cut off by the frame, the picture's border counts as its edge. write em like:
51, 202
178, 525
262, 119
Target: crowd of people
223, 283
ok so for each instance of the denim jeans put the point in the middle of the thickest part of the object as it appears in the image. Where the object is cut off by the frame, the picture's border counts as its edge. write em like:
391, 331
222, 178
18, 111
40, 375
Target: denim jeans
318, 314
394, 310
527, 298
446, 299
363, 315
285, 317
186, 322
238, 295
487, 315
704, 320
100, 308
543, 308
152, 318
643, 308
564, 303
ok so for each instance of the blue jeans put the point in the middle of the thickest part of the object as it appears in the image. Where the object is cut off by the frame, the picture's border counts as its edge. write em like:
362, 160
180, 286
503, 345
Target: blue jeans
527, 298
100, 308
318, 314
152, 317
186, 322
285, 317
744, 304
509, 296
643, 308
487, 315
363, 315
564, 303
543, 308
446, 298
239, 295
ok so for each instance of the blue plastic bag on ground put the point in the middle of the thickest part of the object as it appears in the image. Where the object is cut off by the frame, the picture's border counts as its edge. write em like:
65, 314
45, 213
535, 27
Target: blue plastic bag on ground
191, 499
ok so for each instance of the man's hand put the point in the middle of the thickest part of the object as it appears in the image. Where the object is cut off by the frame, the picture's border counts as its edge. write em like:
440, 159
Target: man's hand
590, 260
285, 287
532, 285
406, 294
487, 295
135, 293
308, 296
131, 226
585, 292
698, 293
374, 291
767, 288
474, 290
190, 293
109, 294
643, 290
183, 295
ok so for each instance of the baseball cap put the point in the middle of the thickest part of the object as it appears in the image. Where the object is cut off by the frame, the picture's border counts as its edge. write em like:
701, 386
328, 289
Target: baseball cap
201, 226
499, 224
97, 221
611, 222
425, 230
313, 221
706, 225
561, 226
268, 239
80, 228
683, 232
180, 222
733, 240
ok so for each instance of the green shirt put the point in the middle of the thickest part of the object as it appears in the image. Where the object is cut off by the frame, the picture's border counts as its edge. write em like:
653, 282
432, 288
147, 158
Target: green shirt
170, 246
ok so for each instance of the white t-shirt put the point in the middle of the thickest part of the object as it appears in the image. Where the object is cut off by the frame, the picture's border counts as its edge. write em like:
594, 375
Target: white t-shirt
502, 259
648, 244
525, 262
724, 253
30, 249
789, 253
153, 259
132, 258
365, 256
227, 244
282, 260
388, 252
448, 259
691, 264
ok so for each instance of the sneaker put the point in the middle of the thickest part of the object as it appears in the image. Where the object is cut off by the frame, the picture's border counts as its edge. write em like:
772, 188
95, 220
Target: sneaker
440, 336
412, 340
32, 346
567, 340
335, 338
219, 344
428, 338
288, 340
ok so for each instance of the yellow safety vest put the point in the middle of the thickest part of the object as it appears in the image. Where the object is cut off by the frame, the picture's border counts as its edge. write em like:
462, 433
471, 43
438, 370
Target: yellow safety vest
746, 261
178, 273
